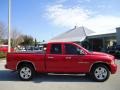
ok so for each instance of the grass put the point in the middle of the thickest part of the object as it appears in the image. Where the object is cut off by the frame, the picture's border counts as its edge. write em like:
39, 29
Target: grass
2, 59
2, 55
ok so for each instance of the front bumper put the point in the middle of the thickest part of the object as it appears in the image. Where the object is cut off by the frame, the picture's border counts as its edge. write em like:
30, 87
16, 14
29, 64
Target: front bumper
113, 68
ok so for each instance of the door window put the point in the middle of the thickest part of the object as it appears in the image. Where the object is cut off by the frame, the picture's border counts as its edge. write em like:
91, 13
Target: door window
56, 49
71, 49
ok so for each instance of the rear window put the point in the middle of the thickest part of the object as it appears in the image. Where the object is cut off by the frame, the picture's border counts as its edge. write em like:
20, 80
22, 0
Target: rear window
56, 49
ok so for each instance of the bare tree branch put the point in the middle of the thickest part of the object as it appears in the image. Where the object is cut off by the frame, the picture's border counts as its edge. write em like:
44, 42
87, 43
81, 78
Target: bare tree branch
16, 37
2, 31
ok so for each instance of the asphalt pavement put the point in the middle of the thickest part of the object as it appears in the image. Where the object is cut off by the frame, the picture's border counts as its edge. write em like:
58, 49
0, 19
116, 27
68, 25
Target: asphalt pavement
10, 81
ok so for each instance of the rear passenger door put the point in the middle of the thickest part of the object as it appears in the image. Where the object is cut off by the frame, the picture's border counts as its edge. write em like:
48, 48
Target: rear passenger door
54, 60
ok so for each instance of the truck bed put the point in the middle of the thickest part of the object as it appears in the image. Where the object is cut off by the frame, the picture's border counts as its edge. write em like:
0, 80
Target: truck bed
37, 59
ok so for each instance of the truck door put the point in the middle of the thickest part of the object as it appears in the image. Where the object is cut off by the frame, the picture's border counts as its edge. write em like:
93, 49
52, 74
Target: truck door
55, 58
75, 59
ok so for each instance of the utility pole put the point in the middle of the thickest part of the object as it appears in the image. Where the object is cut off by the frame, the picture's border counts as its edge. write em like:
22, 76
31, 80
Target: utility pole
9, 25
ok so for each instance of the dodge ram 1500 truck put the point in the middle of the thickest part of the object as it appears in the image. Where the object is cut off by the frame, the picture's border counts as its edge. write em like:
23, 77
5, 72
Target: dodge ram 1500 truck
62, 57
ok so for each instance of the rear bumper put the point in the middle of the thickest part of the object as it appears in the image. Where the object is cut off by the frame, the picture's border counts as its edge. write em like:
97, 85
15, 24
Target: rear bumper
11, 66
6, 66
113, 68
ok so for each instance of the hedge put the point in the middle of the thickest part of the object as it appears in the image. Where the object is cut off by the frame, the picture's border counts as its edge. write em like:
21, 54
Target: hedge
2, 54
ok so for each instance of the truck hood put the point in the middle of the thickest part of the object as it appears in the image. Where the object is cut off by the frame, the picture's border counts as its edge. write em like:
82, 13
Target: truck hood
102, 54
110, 57
99, 53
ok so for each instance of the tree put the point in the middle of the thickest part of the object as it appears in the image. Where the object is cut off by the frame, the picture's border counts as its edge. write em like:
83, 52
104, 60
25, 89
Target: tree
2, 32
27, 40
35, 42
16, 38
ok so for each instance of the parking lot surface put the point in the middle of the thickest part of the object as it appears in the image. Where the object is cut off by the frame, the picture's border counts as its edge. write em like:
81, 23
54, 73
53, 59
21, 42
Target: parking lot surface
10, 81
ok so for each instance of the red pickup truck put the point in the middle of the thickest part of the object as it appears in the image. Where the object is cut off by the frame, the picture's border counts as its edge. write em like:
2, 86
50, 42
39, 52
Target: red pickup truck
62, 57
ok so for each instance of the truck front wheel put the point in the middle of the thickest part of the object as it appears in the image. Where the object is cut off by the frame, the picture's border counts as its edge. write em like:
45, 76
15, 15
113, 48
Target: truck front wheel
26, 72
100, 73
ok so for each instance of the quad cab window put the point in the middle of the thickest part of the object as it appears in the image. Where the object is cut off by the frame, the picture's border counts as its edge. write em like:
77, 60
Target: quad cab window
73, 50
56, 49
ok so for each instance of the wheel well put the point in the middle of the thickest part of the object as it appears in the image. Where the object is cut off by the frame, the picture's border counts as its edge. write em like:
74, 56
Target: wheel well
100, 63
25, 63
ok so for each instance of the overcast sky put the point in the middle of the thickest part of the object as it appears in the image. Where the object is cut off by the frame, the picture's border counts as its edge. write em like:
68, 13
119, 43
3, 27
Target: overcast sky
44, 19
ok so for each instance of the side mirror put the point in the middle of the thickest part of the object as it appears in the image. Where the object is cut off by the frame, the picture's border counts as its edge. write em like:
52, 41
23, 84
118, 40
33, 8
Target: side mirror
80, 52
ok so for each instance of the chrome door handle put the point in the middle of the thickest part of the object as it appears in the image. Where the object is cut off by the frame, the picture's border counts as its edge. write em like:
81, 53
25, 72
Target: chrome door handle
68, 58
50, 57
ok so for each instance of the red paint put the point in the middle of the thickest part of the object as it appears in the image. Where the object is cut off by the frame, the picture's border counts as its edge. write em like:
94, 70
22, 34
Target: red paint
61, 63
4, 48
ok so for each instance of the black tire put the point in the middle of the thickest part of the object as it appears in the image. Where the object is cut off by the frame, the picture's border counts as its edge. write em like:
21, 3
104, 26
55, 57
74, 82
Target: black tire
100, 73
26, 72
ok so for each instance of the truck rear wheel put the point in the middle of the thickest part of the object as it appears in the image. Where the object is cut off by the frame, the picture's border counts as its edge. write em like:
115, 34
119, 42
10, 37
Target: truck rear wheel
100, 73
26, 72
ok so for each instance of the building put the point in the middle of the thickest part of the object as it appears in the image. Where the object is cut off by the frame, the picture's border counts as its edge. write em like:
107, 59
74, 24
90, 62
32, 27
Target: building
100, 42
89, 39
77, 34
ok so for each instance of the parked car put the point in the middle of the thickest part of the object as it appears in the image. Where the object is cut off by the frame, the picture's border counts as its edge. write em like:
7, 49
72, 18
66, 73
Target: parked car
4, 48
31, 48
114, 50
62, 57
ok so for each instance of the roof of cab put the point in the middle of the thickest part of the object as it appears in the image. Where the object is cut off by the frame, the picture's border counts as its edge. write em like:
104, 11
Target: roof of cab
58, 42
